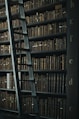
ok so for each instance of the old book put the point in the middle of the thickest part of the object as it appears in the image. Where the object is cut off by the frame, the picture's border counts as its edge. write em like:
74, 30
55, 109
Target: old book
58, 10
14, 9
58, 83
41, 17
2, 12
8, 81
63, 83
26, 5
41, 63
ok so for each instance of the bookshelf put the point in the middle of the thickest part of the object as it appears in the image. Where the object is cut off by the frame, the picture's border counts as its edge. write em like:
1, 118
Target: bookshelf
49, 29
47, 37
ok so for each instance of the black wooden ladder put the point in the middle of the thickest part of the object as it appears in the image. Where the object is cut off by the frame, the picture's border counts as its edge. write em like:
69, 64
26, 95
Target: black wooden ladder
27, 51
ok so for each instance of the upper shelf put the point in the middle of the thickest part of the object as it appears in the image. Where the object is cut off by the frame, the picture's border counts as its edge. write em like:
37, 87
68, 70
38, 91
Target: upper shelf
33, 11
57, 20
44, 8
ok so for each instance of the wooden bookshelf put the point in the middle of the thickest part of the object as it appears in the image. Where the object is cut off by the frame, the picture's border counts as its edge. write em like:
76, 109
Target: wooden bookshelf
49, 31
47, 37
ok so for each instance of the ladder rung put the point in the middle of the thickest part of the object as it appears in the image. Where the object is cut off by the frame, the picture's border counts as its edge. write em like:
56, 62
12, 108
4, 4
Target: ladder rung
21, 18
20, 3
36, 113
25, 64
21, 33
29, 64
21, 64
29, 80
34, 95
23, 49
13, 2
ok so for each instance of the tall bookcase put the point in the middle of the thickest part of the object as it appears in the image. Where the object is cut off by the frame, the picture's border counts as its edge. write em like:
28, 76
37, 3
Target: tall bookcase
51, 25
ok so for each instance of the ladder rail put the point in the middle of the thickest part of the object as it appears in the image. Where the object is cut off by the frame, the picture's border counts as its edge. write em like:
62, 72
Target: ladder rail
29, 59
13, 56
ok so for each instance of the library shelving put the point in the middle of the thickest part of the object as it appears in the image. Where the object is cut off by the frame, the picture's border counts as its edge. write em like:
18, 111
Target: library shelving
50, 37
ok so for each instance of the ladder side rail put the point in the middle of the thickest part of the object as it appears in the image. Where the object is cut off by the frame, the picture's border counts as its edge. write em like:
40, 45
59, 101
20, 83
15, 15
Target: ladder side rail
29, 59
13, 56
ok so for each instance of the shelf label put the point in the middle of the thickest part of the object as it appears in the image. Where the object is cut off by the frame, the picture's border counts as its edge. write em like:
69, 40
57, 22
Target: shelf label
71, 82
70, 61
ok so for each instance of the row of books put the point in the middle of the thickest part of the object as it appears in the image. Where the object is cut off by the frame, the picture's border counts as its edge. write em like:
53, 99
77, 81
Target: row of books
58, 12
54, 83
33, 4
38, 16
14, 9
49, 44
44, 63
49, 82
7, 81
8, 101
4, 49
38, 3
50, 63
49, 107
4, 25
52, 107
48, 29
43, 30
43, 45
5, 63
4, 36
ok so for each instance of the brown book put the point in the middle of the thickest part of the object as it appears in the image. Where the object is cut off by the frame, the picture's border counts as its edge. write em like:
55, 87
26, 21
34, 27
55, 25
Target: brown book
28, 19
2, 12
26, 6
58, 10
